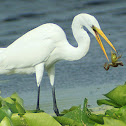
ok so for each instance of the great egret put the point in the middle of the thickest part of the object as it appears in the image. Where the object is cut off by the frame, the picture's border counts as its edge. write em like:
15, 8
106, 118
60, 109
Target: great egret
43, 46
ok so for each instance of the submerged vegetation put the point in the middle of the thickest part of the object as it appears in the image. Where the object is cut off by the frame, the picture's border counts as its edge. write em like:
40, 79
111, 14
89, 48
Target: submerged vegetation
13, 113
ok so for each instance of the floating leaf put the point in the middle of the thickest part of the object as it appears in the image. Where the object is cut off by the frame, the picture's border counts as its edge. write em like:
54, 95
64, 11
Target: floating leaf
10, 104
77, 117
112, 113
14, 103
75, 114
72, 117
5, 112
40, 119
6, 122
118, 95
17, 120
86, 114
34, 119
34, 111
20, 109
1, 99
108, 121
121, 113
17, 98
97, 118
107, 102
69, 110
67, 121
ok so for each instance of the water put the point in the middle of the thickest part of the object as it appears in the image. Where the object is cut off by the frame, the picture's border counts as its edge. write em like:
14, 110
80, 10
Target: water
74, 80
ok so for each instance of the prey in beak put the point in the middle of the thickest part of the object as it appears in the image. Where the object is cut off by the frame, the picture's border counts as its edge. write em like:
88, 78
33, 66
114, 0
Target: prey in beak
97, 32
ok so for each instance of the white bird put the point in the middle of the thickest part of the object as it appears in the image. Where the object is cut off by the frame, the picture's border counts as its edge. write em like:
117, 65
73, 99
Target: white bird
43, 46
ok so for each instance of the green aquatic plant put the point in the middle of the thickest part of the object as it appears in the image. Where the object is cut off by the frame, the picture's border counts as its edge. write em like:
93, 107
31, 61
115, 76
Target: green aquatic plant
13, 113
116, 97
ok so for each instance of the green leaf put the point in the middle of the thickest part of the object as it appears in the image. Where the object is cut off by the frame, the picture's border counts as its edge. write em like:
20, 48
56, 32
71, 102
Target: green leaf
34, 111
10, 104
5, 111
97, 118
67, 121
69, 110
20, 109
17, 99
107, 102
108, 121
121, 113
6, 122
75, 115
86, 114
18, 120
34, 119
40, 119
112, 113
15, 103
118, 95
1, 101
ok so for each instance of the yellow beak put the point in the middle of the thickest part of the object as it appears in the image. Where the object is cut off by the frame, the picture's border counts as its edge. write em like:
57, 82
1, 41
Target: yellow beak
97, 32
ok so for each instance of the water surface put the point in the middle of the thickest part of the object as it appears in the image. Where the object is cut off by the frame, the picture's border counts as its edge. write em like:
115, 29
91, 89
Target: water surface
74, 80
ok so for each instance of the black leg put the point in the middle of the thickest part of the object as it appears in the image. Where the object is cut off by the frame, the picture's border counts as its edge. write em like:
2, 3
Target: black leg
55, 108
37, 107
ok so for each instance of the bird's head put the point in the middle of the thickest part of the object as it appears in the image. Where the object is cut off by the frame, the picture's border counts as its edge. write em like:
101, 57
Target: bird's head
93, 26
98, 31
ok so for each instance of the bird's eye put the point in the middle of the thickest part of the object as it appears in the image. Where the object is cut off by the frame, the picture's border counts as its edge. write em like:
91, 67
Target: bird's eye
93, 27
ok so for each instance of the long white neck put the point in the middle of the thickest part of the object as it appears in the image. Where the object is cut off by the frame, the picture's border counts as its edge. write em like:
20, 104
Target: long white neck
82, 39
